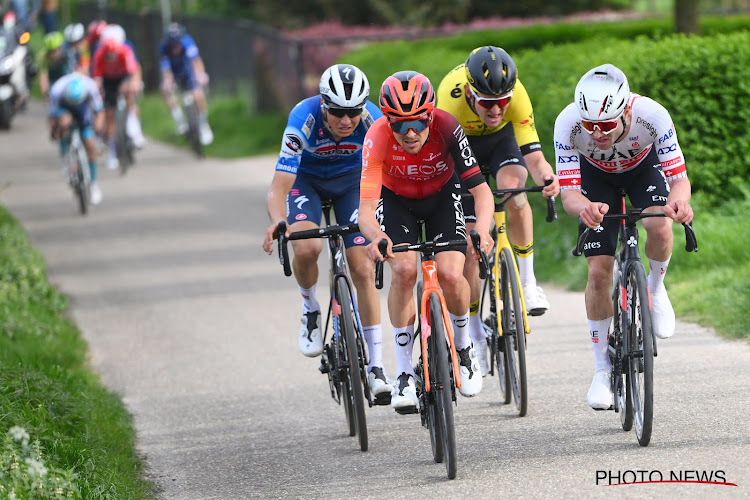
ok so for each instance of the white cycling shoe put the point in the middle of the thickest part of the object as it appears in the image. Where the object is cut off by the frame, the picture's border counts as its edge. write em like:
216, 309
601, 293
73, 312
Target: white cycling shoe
469, 371
536, 302
481, 349
310, 337
600, 393
404, 396
662, 314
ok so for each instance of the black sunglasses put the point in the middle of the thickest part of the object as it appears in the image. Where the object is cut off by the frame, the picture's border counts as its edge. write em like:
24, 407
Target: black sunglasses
340, 112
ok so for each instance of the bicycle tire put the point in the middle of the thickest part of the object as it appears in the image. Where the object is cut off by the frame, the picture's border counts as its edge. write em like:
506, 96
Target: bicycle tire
79, 186
640, 367
513, 332
441, 385
427, 401
352, 379
194, 133
123, 144
498, 361
621, 387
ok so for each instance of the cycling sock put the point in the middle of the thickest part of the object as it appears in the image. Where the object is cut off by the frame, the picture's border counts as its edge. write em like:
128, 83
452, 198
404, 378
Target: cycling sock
657, 271
112, 146
461, 335
374, 338
92, 170
404, 337
63, 147
525, 258
177, 114
476, 330
599, 330
309, 302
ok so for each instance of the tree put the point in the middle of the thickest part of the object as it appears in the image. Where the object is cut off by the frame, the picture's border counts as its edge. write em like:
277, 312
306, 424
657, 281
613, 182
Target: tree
686, 16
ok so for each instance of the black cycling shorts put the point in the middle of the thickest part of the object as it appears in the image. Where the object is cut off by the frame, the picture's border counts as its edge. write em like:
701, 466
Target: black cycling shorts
442, 214
645, 185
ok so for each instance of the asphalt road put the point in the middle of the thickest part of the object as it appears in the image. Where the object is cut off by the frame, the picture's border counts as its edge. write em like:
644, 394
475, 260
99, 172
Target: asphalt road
195, 326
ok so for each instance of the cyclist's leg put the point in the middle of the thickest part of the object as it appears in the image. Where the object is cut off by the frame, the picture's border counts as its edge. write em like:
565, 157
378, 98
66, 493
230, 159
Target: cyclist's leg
303, 216
111, 86
130, 86
169, 80
191, 83
401, 227
444, 222
599, 251
649, 190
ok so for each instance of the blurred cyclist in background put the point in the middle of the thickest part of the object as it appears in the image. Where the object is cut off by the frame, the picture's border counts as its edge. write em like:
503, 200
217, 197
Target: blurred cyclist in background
53, 63
76, 48
74, 100
116, 71
181, 64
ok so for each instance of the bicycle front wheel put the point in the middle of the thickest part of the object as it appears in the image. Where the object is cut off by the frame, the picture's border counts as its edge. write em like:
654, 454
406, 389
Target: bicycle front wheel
194, 132
641, 353
441, 385
621, 380
489, 307
351, 379
513, 322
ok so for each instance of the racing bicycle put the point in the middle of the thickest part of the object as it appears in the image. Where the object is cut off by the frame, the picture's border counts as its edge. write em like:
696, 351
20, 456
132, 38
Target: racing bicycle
123, 143
436, 370
345, 356
503, 306
77, 164
632, 343
193, 120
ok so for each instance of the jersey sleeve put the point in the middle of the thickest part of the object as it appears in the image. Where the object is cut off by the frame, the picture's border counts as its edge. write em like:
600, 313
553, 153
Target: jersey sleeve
131, 63
294, 140
97, 105
370, 114
464, 159
521, 115
55, 94
97, 69
191, 49
667, 147
567, 165
373, 159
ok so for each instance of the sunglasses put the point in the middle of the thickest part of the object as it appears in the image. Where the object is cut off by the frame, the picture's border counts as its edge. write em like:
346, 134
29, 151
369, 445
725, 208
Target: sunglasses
491, 102
605, 126
341, 112
402, 126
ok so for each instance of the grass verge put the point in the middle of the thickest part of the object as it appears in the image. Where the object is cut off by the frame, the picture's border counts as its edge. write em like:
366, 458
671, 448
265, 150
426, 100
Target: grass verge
62, 434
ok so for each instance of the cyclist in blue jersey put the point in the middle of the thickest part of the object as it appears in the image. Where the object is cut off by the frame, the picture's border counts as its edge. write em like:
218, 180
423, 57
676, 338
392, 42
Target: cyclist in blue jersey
74, 100
181, 64
321, 159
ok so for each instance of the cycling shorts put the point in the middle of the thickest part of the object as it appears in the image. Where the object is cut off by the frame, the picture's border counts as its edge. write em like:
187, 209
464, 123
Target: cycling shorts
645, 185
441, 212
186, 81
112, 89
493, 152
305, 201
82, 117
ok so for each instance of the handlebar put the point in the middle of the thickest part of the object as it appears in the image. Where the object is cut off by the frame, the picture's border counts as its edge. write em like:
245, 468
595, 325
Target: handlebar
321, 232
507, 193
630, 218
424, 247
483, 263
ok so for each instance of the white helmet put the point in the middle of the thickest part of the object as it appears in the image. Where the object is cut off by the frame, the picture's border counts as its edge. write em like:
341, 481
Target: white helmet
602, 93
74, 33
113, 31
344, 86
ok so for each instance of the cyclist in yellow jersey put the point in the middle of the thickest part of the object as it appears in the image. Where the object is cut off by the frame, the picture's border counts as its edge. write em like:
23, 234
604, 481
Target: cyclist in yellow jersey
493, 107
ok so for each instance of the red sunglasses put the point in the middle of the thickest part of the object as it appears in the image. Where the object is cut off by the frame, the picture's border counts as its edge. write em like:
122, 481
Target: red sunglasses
605, 126
403, 126
491, 102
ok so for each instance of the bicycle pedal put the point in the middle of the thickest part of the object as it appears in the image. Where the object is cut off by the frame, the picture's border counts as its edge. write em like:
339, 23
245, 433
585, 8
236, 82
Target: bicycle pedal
612, 407
409, 410
382, 399
537, 312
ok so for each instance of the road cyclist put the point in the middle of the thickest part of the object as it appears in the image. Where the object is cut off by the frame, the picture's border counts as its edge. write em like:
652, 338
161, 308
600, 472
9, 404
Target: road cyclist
74, 101
489, 100
608, 139
414, 162
320, 160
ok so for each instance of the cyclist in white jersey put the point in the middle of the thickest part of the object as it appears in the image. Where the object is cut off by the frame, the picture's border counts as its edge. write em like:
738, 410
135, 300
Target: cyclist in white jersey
610, 138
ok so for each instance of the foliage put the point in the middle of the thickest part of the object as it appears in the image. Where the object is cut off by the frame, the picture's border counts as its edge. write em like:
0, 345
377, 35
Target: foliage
47, 389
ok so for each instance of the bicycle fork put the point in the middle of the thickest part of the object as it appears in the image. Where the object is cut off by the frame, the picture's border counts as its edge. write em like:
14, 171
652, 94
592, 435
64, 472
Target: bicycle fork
431, 285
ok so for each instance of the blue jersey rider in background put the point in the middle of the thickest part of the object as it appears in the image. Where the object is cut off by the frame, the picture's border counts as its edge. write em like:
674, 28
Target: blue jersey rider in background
321, 159
74, 100
181, 64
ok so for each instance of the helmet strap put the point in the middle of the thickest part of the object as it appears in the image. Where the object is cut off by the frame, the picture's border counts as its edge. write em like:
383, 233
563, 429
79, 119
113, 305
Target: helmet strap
624, 126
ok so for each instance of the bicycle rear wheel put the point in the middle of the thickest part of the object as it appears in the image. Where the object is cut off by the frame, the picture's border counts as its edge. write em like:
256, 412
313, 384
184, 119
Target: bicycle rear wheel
513, 323
194, 133
621, 387
351, 379
441, 385
641, 353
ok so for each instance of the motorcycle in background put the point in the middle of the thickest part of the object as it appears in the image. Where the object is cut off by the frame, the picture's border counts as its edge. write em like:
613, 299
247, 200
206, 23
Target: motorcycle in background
15, 64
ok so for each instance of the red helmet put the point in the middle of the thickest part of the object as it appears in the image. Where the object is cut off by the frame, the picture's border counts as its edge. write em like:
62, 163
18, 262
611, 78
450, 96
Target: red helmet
95, 31
407, 94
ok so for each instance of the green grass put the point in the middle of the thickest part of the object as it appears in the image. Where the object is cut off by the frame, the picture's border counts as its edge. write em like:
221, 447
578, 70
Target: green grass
237, 132
74, 428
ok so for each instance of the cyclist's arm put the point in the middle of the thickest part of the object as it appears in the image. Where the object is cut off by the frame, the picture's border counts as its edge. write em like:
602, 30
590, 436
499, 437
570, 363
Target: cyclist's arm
276, 204
678, 203
370, 228
540, 171
484, 205
577, 205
